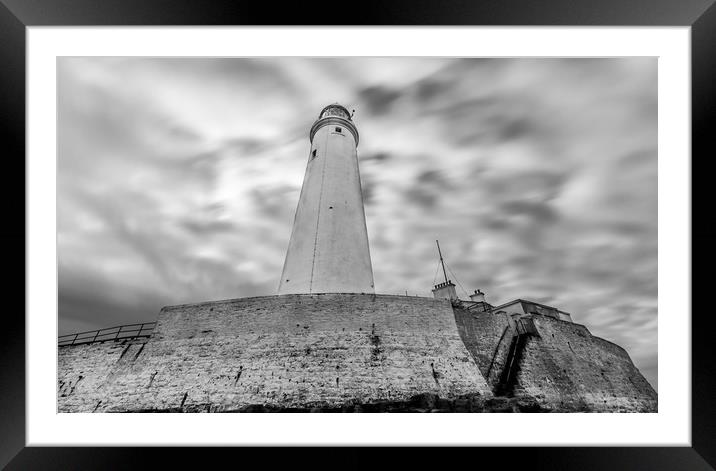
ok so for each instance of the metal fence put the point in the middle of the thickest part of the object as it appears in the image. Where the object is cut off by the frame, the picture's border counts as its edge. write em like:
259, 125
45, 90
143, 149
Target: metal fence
119, 332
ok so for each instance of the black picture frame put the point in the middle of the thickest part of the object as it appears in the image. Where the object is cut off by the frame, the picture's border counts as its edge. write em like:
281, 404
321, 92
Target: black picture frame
16, 15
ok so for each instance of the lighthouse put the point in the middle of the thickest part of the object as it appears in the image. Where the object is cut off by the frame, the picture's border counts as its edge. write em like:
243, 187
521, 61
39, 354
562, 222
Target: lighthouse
328, 250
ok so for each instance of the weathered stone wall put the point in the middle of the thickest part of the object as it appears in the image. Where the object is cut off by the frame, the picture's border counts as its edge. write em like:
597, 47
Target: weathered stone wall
348, 352
567, 367
487, 337
564, 368
83, 370
292, 351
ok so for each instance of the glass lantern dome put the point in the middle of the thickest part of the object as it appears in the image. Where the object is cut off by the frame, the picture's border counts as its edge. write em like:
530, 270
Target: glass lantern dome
335, 110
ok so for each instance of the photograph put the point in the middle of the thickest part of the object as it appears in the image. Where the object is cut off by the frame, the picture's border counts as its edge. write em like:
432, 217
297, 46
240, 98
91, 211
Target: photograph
357, 234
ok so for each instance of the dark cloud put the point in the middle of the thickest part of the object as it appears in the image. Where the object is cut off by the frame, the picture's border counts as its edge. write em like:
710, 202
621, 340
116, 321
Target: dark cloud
433, 178
541, 212
368, 189
198, 227
273, 201
422, 197
493, 223
247, 146
100, 302
263, 74
429, 89
378, 99
427, 189
378, 157
515, 128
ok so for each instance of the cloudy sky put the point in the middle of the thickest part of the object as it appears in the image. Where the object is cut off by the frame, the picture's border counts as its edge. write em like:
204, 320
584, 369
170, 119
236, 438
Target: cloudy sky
178, 181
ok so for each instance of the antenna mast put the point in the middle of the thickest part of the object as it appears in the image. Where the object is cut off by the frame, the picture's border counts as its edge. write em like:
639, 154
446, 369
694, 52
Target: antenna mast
441, 261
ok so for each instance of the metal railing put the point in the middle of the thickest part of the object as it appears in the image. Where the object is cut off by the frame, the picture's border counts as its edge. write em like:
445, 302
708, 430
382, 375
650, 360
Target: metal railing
119, 332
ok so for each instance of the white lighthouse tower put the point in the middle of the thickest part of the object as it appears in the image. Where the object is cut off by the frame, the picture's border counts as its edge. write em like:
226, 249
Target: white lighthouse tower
328, 251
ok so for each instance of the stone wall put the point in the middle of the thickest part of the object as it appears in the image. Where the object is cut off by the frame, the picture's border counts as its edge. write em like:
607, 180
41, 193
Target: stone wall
487, 337
279, 352
84, 370
348, 352
567, 367
563, 368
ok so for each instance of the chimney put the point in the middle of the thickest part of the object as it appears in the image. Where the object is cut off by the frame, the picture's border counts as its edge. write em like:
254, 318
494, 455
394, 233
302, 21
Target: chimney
478, 296
445, 290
